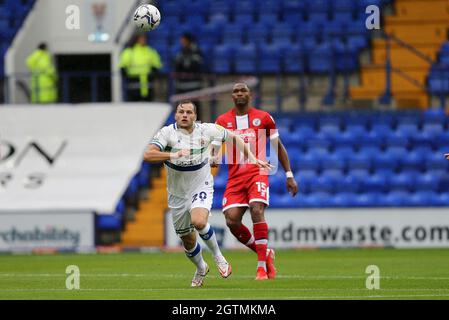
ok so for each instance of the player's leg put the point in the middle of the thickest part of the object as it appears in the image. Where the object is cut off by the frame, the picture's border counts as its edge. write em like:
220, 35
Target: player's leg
258, 194
260, 228
234, 222
199, 213
186, 231
193, 252
235, 203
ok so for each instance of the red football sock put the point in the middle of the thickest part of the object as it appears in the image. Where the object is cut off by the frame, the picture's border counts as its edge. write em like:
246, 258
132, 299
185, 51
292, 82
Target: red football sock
261, 237
244, 236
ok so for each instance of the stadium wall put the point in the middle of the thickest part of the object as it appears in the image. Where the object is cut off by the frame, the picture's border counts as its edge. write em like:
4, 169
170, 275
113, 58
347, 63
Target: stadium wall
60, 165
340, 228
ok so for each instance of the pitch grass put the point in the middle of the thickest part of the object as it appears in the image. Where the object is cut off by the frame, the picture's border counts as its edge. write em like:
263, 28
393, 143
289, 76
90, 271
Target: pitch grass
315, 274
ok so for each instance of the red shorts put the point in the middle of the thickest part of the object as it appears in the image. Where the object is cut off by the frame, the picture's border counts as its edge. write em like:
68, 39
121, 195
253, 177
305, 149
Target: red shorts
242, 191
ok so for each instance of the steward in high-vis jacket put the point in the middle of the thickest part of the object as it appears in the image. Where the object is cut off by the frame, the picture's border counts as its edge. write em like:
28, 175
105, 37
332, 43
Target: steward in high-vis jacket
138, 63
44, 78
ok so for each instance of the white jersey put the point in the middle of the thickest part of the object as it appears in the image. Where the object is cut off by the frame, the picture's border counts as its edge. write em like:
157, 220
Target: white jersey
184, 174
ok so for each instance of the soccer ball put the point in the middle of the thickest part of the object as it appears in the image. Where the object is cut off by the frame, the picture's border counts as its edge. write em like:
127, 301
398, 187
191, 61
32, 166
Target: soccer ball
147, 17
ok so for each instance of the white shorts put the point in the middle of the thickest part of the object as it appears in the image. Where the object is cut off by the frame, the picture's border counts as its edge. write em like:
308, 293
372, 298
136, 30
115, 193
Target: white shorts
180, 208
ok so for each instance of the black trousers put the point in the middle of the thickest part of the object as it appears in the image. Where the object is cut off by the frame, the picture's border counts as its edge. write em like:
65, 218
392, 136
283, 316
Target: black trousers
132, 90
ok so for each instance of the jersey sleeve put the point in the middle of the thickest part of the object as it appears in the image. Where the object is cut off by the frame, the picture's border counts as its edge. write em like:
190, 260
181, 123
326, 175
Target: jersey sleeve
271, 128
216, 133
160, 139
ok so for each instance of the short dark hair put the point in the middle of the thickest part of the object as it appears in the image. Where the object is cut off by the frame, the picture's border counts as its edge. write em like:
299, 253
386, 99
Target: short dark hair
188, 36
42, 46
187, 102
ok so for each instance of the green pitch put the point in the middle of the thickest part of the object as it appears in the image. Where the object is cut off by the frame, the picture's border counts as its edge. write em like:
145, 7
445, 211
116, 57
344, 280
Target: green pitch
316, 274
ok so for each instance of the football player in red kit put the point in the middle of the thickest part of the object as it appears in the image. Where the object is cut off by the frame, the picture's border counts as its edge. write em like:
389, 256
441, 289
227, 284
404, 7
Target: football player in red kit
247, 185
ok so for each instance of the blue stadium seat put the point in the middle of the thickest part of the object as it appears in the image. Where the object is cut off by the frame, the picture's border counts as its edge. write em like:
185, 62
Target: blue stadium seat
270, 59
318, 200
221, 7
403, 181
414, 161
433, 129
210, 34
436, 161
369, 199
427, 182
309, 161
319, 10
407, 129
282, 33
396, 198
259, 33
352, 182
294, 59
335, 162
385, 161
343, 10
246, 61
382, 130
305, 178
356, 129
293, 10
320, 60
234, 34
376, 182
370, 151
360, 161
222, 61
344, 152
344, 199
424, 198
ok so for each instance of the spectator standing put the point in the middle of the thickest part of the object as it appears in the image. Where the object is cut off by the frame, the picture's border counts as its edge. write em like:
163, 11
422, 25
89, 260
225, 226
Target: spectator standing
188, 65
138, 63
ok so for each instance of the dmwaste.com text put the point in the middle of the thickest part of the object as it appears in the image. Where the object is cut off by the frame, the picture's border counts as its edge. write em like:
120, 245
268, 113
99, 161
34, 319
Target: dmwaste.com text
363, 234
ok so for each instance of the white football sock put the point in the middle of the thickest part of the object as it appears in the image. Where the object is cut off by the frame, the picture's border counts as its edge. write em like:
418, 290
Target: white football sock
208, 236
196, 257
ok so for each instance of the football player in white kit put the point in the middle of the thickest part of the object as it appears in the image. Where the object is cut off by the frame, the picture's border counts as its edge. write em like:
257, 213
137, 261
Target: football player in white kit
184, 149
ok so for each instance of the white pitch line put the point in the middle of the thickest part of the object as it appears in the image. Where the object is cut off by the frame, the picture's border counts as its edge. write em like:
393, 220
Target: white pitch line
156, 275
216, 289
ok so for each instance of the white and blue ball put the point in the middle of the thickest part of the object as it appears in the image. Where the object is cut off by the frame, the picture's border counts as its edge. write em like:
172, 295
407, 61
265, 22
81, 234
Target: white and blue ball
147, 17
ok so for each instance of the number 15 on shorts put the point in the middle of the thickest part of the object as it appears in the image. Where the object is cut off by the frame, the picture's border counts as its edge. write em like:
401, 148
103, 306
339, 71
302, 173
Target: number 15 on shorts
261, 188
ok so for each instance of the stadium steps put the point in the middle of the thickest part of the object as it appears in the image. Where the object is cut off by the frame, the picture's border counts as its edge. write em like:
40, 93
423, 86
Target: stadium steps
420, 23
147, 229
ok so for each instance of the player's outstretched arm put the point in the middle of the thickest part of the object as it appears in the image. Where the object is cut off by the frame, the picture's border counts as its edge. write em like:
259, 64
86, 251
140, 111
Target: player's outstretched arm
292, 186
446, 155
241, 145
215, 154
153, 154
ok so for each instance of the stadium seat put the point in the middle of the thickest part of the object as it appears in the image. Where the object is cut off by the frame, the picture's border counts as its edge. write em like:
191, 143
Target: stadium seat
414, 160
403, 181
360, 161
294, 59
427, 182
246, 59
396, 198
270, 59
223, 57
234, 34
436, 161
384, 161
259, 33
424, 198
344, 199
368, 199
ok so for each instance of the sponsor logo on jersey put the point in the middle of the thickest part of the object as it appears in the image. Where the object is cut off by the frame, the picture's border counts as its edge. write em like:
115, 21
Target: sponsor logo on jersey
229, 125
224, 201
256, 122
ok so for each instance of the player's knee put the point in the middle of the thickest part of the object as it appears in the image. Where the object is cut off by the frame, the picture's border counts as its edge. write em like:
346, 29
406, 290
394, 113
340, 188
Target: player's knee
233, 223
257, 212
199, 223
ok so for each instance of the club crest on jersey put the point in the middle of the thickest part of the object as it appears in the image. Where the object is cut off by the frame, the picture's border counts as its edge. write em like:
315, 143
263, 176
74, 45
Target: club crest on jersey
256, 122
229, 124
